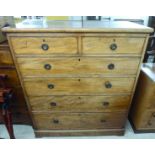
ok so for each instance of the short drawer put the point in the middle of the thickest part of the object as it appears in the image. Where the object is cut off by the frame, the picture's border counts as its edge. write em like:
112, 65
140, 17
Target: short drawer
67, 121
5, 58
79, 103
147, 120
81, 66
76, 86
12, 80
44, 46
112, 45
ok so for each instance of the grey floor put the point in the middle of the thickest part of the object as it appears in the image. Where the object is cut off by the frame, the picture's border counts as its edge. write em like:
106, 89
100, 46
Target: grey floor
26, 132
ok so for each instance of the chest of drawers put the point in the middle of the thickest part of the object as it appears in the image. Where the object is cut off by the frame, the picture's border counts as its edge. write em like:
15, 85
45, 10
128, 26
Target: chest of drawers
78, 80
142, 113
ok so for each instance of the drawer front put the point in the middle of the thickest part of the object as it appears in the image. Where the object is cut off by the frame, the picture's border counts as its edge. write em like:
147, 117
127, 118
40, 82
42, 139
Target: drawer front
151, 120
76, 86
148, 119
5, 58
79, 103
52, 45
66, 121
12, 80
112, 45
78, 66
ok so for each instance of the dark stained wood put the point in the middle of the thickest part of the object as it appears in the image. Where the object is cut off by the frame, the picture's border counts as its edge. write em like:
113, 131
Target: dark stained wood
19, 108
12, 79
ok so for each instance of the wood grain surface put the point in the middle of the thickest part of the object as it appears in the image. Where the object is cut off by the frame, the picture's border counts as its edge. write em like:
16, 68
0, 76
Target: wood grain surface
77, 86
142, 113
66, 121
79, 103
78, 66
100, 45
33, 45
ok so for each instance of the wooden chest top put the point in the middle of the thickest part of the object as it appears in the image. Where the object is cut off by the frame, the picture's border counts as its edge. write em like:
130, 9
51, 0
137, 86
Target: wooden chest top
78, 26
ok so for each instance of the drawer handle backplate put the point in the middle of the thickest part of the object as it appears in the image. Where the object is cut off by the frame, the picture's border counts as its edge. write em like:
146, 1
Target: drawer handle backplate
55, 121
111, 66
108, 84
47, 66
45, 47
105, 104
53, 104
113, 46
50, 86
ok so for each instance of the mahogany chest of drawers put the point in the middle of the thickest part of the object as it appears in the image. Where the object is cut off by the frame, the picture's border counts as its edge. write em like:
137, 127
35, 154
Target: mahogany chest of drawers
142, 113
78, 79
19, 107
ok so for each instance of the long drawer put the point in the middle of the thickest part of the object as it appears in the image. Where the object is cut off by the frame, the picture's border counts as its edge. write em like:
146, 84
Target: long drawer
66, 121
77, 86
81, 66
44, 45
112, 45
79, 103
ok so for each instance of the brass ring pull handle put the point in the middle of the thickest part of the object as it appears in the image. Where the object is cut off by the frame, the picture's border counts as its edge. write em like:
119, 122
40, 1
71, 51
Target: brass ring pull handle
47, 66
108, 85
53, 104
111, 66
113, 46
50, 86
105, 104
45, 47
55, 121
103, 121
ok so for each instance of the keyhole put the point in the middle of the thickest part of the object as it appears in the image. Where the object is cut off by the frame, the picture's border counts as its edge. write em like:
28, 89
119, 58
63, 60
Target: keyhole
79, 80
